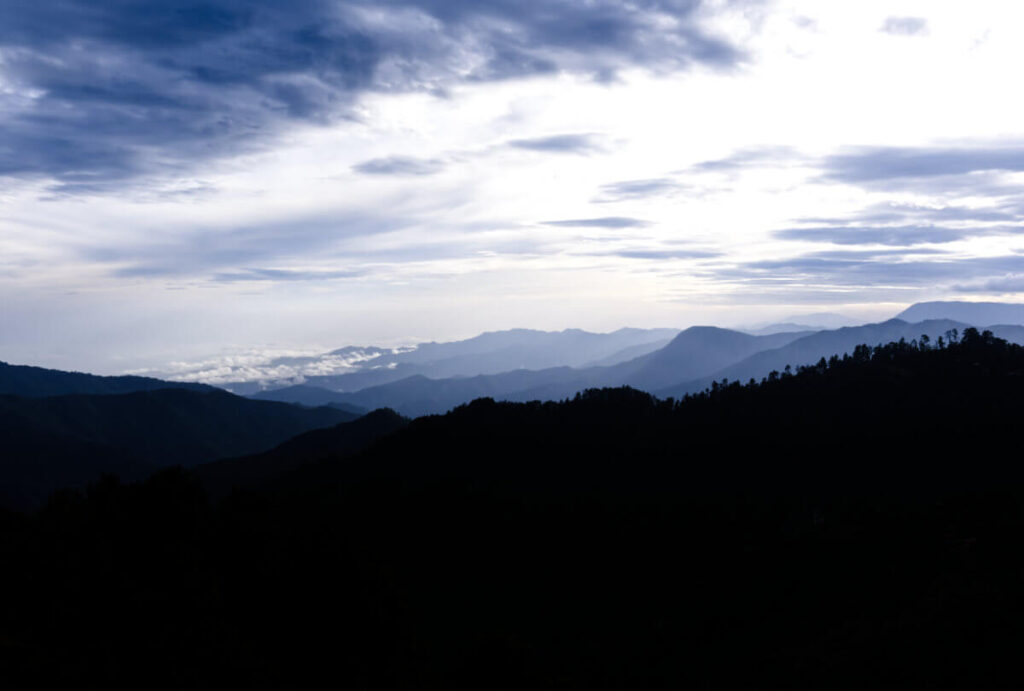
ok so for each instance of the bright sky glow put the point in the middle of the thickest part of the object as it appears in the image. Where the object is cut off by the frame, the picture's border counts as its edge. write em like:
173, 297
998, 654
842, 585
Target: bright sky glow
857, 157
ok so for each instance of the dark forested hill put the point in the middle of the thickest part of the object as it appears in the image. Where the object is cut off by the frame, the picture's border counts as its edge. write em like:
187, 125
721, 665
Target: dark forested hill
23, 380
340, 441
856, 523
62, 441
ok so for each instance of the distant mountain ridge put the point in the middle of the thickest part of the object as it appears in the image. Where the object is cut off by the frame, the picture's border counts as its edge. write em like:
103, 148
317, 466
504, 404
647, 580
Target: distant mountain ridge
25, 380
692, 353
488, 353
976, 314
811, 348
310, 396
694, 359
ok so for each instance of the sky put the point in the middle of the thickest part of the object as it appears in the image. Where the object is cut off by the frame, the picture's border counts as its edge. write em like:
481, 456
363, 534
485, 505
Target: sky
241, 178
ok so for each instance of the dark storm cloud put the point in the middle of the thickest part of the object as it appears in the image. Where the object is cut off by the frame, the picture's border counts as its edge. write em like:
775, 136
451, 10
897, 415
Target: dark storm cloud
905, 26
100, 91
399, 165
605, 222
638, 189
560, 143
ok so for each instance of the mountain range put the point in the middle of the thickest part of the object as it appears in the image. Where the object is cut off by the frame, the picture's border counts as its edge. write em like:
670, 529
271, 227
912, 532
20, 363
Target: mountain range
63, 429
689, 363
839, 526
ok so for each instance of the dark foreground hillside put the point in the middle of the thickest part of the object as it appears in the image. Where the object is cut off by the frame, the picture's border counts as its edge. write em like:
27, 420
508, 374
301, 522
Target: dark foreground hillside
854, 525
52, 442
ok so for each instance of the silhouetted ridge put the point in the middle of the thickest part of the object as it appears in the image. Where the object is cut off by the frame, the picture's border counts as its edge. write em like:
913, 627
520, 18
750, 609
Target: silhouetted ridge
63, 441
336, 442
23, 380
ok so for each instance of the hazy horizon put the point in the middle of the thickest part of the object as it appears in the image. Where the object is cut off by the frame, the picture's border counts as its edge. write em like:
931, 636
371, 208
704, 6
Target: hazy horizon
181, 184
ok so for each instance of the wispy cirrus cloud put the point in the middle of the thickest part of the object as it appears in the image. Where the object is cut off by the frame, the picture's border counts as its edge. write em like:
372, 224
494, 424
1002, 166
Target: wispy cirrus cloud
626, 190
400, 165
899, 165
561, 144
602, 222
911, 269
903, 235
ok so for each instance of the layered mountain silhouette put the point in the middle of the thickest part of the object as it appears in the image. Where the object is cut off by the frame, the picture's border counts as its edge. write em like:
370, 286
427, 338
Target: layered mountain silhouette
851, 524
694, 359
812, 347
695, 351
489, 353
303, 394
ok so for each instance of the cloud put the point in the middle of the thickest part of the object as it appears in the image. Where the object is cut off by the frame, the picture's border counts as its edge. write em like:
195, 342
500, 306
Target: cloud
605, 222
638, 189
901, 236
399, 165
889, 165
905, 26
560, 143
666, 254
283, 275
218, 252
748, 158
857, 270
1010, 283
97, 92
903, 213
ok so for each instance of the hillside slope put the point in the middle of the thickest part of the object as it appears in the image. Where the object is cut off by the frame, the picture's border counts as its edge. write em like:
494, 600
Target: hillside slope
24, 380
64, 441
838, 528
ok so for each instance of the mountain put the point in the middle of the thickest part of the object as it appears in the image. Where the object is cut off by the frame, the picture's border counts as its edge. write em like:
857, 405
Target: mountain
310, 396
781, 327
974, 313
63, 441
630, 353
814, 321
852, 526
695, 352
23, 380
352, 369
811, 348
342, 440
419, 395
